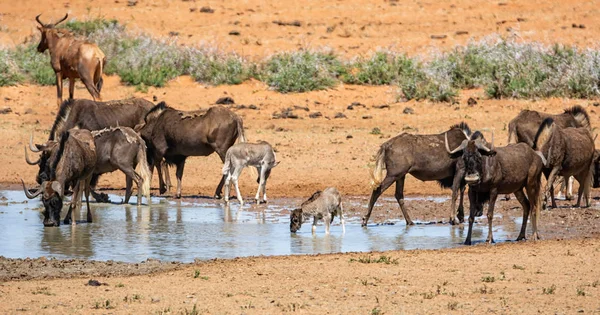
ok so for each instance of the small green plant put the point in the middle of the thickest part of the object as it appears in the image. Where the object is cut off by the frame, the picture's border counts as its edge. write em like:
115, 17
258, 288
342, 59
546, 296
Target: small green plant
119, 285
193, 311
375, 131
376, 311
196, 274
502, 276
549, 290
488, 279
518, 267
595, 283
103, 305
43, 291
9, 70
429, 295
485, 290
381, 260
452, 306
580, 292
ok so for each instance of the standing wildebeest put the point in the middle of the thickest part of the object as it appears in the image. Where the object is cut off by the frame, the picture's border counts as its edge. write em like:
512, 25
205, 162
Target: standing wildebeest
72, 58
524, 127
321, 205
567, 152
491, 171
121, 148
259, 155
76, 159
174, 135
424, 157
90, 115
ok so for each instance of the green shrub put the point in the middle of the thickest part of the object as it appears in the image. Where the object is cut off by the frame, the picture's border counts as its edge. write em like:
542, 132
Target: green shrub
381, 69
86, 28
35, 66
9, 71
214, 68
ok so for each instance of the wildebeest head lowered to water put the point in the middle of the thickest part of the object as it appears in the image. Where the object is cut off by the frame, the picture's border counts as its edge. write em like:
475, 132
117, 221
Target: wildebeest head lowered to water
72, 58
491, 171
75, 162
424, 157
174, 135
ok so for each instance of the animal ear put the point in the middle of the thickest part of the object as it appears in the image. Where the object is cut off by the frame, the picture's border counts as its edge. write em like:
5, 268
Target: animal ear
488, 153
276, 163
57, 188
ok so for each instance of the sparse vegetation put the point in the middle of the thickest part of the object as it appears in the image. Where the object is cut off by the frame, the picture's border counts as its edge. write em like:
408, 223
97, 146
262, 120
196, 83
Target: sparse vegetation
549, 290
580, 292
518, 267
9, 70
488, 279
381, 260
452, 306
375, 131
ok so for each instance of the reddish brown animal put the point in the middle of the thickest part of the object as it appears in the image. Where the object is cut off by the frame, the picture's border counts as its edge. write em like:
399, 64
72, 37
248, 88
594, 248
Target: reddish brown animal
72, 58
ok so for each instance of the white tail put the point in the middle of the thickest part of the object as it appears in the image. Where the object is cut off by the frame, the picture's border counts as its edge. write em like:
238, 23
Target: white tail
379, 171
144, 171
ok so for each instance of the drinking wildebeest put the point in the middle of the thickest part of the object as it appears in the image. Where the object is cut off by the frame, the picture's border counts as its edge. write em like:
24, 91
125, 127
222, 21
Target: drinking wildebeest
72, 58
321, 205
524, 127
90, 115
259, 155
490, 171
174, 135
121, 148
424, 157
74, 166
567, 152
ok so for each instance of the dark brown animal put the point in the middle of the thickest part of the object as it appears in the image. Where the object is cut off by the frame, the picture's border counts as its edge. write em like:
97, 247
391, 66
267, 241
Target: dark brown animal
424, 157
74, 166
567, 152
170, 136
524, 127
490, 171
72, 58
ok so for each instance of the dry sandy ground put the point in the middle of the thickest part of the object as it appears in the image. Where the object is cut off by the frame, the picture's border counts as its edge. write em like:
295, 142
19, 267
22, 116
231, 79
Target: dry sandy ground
559, 277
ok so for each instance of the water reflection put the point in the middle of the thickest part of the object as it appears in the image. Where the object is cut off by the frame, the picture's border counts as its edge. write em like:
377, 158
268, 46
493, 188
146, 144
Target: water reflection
183, 231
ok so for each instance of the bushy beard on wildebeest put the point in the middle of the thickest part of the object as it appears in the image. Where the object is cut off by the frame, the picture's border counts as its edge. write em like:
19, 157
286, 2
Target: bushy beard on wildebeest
90, 115
525, 125
72, 58
567, 152
75, 162
424, 157
491, 171
174, 135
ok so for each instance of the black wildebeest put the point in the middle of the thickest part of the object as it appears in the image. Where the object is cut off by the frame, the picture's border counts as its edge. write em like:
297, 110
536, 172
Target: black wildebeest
121, 148
424, 157
76, 160
568, 152
525, 125
490, 171
72, 58
90, 115
174, 135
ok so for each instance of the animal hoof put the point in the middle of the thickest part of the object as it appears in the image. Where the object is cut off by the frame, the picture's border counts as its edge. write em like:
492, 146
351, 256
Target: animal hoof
218, 196
178, 196
467, 242
453, 221
410, 222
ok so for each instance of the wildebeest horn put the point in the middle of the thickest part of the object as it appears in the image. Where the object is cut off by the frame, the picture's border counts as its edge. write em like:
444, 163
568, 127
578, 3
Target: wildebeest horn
460, 148
492, 145
28, 160
28, 194
31, 146
66, 16
37, 18
480, 145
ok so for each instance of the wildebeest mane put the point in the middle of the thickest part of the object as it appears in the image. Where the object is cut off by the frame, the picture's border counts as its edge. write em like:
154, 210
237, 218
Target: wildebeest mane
61, 148
542, 131
156, 110
61, 117
580, 115
462, 126
312, 198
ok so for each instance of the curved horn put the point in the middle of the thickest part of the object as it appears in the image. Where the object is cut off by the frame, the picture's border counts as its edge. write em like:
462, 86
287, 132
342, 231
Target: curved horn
31, 146
37, 18
480, 145
66, 16
460, 147
492, 145
28, 194
28, 160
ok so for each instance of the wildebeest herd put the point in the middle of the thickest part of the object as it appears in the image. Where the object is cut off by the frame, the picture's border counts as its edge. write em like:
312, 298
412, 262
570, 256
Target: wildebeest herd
90, 138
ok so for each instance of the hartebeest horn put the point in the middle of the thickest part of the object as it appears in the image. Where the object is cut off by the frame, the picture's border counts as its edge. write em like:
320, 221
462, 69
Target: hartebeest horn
66, 16
37, 18
460, 148
28, 160
32, 147
28, 194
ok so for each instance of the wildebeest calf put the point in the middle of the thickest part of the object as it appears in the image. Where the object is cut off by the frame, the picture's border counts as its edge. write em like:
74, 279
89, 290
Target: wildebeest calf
259, 155
321, 205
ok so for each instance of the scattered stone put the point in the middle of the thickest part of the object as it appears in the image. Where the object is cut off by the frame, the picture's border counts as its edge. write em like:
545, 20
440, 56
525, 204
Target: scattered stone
381, 106
596, 104
315, 115
304, 108
502, 3
281, 129
355, 104
173, 33
349, 137
254, 107
581, 26
330, 29
285, 113
154, 98
193, 9
225, 101
408, 111
28, 111
291, 23
461, 33
339, 115
367, 117
521, 20
234, 33
471, 101
131, 3
207, 10
438, 36
154, 300
95, 283
574, 25
5, 110
317, 103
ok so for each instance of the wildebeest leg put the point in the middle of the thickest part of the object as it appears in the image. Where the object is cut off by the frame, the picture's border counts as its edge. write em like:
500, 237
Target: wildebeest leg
70, 217
59, 87
533, 192
179, 175
569, 189
261, 184
385, 184
400, 198
550, 183
341, 212
128, 185
327, 219
236, 175
228, 185
584, 182
165, 169
87, 199
461, 209
161, 183
526, 208
221, 153
490, 214
455, 189
314, 225
472, 213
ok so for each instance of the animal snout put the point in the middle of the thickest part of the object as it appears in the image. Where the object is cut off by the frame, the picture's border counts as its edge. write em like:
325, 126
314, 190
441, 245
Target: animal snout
51, 223
472, 179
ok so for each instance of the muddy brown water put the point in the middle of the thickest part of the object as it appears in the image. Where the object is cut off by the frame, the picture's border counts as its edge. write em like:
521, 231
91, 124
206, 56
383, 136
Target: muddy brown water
196, 228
